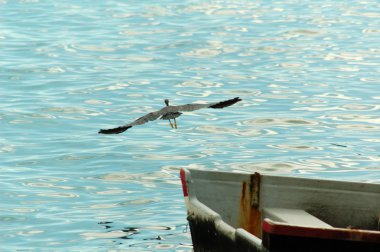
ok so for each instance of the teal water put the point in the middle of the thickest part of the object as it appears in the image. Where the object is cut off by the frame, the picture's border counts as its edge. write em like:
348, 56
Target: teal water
307, 71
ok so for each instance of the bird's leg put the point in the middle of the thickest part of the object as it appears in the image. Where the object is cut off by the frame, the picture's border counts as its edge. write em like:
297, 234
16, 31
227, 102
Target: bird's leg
171, 125
175, 123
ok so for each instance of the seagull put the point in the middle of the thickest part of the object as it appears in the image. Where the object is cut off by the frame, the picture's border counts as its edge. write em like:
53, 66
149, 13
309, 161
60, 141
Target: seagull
169, 113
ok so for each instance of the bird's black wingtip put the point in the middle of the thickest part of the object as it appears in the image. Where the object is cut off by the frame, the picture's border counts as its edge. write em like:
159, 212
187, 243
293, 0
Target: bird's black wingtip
226, 103
237, 99
117, 130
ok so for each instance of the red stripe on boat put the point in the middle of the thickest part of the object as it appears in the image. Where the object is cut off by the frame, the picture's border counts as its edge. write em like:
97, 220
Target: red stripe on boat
183, 180
277, 228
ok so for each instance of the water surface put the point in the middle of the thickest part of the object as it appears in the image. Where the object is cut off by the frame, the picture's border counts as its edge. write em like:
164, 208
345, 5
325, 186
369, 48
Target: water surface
307, 72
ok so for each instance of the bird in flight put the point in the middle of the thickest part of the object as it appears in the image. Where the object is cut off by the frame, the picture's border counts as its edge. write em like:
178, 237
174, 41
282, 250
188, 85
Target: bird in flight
169, 113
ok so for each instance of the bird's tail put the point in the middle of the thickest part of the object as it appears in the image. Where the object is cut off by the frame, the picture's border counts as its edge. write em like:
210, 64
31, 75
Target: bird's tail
226, 103
117, 130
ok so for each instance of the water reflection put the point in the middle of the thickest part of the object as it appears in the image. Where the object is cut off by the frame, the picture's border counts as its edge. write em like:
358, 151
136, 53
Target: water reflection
155, 237
108, 235
58, 195
138, 178
279, 121
234, 131
199, 84
278, 168
352, 117
201, 53
308, 78
295, 147
358, 127
30, 232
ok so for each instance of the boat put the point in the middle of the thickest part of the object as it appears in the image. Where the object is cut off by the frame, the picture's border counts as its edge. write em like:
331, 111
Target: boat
257, 212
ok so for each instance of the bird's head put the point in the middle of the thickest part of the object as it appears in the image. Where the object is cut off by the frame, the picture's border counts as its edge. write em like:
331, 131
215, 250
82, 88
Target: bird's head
167, 102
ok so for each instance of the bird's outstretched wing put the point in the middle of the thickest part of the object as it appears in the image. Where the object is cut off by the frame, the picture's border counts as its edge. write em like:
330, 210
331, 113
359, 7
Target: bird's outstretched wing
169, 109
144, 119
217, 105
117, 130
223, 104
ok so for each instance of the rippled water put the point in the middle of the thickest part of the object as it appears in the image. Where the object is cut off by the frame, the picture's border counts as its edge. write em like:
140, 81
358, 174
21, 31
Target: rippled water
307, 71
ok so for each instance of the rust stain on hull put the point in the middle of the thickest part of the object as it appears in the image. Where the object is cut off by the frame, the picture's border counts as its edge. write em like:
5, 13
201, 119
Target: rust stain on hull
250, 215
